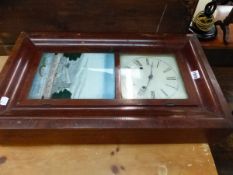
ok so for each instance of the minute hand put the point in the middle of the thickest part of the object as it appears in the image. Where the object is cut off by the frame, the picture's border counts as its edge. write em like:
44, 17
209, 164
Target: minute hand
150, 77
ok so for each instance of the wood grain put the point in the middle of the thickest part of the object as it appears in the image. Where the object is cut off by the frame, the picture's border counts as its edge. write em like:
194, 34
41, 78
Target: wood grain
205, 103
121, 16
225, 77
168, 159
17, 156
2, 61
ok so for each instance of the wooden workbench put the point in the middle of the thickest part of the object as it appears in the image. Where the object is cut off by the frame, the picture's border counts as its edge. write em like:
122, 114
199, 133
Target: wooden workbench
21, 154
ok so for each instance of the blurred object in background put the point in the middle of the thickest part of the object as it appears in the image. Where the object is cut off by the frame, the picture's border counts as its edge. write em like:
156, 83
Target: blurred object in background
225, 23
203, 22
215, 13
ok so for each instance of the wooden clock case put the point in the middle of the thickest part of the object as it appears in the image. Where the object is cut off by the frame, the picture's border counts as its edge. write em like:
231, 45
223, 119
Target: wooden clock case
205, 109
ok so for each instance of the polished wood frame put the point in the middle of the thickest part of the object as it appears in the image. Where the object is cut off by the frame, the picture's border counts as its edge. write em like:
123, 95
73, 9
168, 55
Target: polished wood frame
205, 108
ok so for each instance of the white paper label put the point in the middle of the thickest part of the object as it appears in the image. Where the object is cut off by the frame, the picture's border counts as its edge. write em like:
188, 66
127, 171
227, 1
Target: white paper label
195, 74
4, 101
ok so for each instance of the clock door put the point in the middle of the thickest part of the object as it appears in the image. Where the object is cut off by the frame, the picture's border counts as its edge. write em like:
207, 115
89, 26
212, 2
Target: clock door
89, 78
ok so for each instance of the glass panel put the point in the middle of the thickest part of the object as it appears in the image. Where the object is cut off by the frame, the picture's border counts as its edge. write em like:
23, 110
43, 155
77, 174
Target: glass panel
74, 76
151, 77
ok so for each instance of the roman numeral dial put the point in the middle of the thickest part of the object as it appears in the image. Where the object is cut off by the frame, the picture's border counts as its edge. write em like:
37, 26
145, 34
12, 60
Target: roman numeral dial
151, 77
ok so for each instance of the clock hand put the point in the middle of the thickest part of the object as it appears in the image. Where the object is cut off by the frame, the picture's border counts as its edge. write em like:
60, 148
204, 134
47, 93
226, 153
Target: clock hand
143, 89
151, 71
150, 77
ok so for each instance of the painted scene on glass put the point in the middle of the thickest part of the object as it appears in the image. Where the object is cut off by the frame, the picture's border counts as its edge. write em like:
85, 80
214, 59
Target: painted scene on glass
74, 76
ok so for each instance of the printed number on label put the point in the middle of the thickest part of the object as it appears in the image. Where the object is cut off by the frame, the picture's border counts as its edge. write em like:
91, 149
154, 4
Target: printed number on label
195, 74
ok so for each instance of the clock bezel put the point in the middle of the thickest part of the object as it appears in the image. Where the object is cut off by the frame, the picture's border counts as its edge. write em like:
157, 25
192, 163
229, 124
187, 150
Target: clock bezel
205, 102
184, 75
192, 99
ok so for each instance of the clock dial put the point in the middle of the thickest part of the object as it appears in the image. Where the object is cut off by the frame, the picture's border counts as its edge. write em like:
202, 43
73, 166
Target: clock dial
151, 77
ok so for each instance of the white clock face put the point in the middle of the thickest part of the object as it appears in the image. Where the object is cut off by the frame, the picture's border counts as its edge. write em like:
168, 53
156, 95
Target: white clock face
151, 77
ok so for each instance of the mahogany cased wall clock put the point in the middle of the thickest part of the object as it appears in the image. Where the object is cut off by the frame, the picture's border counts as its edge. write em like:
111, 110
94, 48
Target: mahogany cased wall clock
94, 81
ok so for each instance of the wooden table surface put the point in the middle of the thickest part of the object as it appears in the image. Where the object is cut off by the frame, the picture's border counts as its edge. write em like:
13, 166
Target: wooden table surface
21, 157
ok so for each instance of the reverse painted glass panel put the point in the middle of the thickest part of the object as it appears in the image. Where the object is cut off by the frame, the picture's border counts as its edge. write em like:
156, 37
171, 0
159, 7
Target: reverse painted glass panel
74, 76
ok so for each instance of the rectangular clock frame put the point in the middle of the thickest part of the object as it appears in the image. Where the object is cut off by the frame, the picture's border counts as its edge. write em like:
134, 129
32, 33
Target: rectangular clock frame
205, 108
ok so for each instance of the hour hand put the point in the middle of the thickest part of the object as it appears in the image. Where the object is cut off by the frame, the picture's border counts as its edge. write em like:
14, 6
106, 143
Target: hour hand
151, 71
150, 77
142, 90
